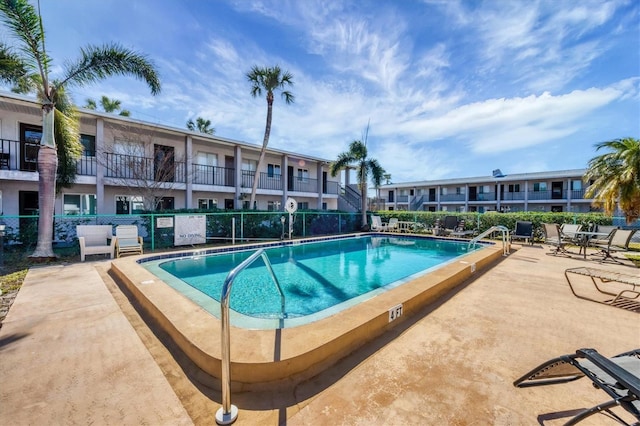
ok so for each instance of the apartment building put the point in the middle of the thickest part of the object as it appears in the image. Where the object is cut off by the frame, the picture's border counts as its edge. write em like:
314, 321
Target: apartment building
129, 165
555, 191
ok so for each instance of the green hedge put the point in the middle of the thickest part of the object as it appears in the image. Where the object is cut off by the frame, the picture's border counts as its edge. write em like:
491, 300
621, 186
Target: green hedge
483, 221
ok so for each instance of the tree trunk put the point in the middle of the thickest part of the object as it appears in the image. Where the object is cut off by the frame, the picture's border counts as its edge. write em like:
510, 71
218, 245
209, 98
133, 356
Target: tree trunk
265, 142
363, 192
47, 166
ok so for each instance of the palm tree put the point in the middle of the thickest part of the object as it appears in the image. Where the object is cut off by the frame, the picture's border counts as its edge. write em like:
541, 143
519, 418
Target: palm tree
616, 177
108, 105
267, 80
365, 167
202, 125
30, 73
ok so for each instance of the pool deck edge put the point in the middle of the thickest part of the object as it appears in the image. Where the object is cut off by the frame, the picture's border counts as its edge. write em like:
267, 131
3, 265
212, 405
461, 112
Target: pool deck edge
287, 356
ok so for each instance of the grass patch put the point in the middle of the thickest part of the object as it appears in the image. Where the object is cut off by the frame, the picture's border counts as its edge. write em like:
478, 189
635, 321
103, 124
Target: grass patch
12, 281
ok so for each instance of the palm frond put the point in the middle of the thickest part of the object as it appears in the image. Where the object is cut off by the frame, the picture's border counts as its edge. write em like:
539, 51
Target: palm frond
26, 26
12, 67
98, 62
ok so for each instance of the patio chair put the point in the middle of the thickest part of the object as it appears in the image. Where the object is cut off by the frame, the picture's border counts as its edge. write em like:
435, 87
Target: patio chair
523, 231
619, 240
449, 224
618, 376
569, 233
552, 237
604, 229
376, 224
127, 240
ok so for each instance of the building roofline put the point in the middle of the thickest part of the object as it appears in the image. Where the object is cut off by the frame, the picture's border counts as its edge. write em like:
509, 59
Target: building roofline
516, 177
170, 129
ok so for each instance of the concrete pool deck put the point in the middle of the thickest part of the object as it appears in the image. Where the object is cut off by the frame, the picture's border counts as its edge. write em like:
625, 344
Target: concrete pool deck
73, 350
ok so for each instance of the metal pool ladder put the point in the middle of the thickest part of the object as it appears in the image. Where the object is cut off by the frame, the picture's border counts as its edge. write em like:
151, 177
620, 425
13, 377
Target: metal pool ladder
496, 228
228, 413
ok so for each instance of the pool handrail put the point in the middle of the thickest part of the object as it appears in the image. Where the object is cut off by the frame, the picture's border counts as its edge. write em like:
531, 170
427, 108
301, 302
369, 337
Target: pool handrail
228, 413
495, 228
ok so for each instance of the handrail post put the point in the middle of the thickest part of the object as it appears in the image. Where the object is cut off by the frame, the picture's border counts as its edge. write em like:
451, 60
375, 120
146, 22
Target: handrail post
228, 413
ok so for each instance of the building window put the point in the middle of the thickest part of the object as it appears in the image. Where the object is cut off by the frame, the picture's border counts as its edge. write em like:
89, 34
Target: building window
273, 170
164, 203
273, 206
249, 165
324, 206
540, 186
207, 159
443, 191
303, 175
207, 203
576, 185
126, 204
514, 187
79, 204
89, 145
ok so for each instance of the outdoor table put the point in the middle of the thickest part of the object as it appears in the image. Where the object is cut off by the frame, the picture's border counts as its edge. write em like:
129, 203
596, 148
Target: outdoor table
584, 237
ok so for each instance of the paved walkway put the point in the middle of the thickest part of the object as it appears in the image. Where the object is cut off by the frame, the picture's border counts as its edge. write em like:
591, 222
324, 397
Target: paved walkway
68, 356
72, 352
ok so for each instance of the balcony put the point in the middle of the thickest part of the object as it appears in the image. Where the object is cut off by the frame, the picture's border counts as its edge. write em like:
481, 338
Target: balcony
452, 197
213, 175
121, 166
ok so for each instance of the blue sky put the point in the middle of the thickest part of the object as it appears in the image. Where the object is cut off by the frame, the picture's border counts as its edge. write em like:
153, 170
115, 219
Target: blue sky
450, 88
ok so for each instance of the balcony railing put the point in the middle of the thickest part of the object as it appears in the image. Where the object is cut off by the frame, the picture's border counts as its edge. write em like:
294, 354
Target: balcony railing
121, 166
301, 184
452, 197
213, 175
331, 187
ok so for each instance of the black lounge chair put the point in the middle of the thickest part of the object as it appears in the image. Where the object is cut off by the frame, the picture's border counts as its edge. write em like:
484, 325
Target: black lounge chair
618, 376
523, 231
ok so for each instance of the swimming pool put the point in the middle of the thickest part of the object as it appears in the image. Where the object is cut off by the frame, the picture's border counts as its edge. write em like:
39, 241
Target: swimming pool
270, 358
318, 278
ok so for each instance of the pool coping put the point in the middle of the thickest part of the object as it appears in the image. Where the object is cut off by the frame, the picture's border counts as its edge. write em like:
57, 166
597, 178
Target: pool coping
289, 355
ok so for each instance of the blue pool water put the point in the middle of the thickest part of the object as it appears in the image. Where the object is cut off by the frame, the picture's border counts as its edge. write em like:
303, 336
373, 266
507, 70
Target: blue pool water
314, 276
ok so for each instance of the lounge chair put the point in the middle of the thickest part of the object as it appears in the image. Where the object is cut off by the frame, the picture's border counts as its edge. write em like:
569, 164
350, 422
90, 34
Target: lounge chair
552, 236
618, 241
460, 231
127, 240
523, 231
607, 287
392, 226
377, 225
618, 376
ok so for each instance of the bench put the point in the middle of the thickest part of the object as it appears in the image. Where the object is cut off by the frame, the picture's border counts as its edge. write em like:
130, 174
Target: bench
95, 239
611, 288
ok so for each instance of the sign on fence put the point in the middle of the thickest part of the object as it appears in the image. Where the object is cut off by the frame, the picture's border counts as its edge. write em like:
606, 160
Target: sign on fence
190, 230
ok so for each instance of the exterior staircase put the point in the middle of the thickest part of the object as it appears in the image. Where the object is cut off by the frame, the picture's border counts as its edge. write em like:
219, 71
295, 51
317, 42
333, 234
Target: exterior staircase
350, 199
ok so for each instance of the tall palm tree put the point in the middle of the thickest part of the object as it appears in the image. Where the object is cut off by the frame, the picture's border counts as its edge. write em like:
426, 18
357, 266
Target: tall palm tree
267, 80
616, 177
202, 125
30, 73
357, 156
